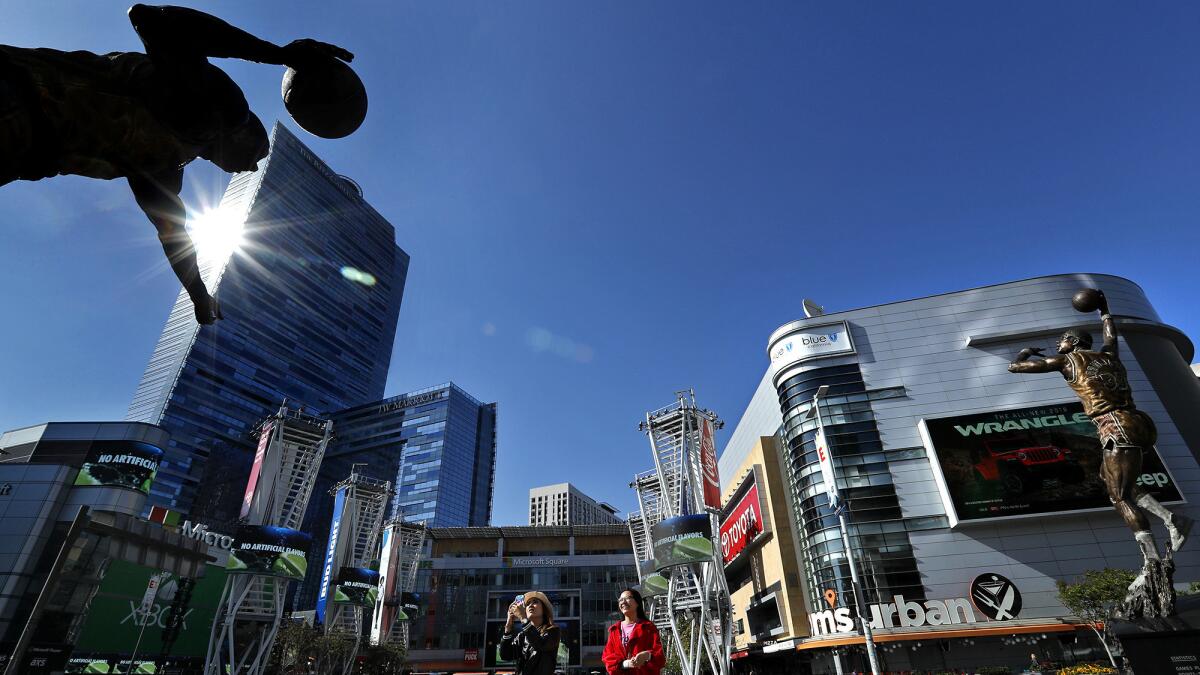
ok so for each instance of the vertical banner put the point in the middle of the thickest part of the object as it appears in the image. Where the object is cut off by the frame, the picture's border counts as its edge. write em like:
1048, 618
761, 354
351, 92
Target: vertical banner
264, 440
335, 526
826, 461
385, 612
708, 464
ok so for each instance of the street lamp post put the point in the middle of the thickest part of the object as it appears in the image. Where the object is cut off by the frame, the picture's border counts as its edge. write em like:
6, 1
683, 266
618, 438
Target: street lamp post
839, 507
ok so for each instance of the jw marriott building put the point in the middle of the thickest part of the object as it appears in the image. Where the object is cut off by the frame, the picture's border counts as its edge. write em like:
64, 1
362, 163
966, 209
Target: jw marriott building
310, 303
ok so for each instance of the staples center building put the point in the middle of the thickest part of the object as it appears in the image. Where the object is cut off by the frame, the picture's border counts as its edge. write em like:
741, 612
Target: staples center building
971, 490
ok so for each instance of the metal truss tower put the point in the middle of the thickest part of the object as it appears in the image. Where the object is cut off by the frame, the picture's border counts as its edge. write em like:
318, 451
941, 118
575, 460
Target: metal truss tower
403, 543
291, 445
697, 601
640, 524
359, 508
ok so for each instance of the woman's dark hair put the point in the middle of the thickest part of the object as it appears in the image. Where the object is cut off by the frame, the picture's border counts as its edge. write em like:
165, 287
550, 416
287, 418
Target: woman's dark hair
641, 609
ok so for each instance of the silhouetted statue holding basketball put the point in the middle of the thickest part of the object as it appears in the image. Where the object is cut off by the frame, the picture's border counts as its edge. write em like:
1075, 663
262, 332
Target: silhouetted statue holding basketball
143, 117
1099, 380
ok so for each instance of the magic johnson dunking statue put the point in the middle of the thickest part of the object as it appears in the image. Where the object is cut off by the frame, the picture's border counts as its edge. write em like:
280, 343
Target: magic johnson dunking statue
1100, 382
143, 117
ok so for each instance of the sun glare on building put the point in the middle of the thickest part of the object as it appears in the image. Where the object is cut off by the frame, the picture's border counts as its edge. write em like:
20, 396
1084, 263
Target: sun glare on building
217, 234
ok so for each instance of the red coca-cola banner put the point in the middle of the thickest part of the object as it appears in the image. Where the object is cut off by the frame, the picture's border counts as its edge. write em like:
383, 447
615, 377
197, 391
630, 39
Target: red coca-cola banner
708, 465
745, 522
264, 439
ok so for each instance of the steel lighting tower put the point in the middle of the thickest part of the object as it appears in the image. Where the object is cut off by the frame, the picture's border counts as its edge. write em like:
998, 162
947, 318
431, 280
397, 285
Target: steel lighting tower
682, 442
291, 445
640, 524
359, 506
401, 551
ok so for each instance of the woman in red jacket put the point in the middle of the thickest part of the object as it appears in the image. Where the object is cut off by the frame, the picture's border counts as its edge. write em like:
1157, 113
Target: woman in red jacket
633, 647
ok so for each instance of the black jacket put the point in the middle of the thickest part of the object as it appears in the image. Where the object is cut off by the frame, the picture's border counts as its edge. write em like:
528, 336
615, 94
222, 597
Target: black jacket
535, 653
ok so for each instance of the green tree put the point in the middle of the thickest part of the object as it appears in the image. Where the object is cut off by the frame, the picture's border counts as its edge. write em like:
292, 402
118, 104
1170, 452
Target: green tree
332, 649
1095, 597
293, 644
384, 659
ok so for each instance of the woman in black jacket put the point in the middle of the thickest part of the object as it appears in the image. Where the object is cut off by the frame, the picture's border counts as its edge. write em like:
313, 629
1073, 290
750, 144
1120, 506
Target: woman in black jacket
534, 648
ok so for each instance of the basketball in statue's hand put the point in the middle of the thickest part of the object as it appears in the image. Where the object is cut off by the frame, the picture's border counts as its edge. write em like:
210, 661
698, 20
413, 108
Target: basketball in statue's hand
1086, 300
326, 100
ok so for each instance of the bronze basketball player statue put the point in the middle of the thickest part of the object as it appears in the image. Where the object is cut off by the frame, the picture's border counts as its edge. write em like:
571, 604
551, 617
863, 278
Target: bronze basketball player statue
143, 117
1100, 381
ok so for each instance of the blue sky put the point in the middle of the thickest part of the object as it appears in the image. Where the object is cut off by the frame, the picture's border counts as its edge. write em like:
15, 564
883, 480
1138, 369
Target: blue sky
608, 201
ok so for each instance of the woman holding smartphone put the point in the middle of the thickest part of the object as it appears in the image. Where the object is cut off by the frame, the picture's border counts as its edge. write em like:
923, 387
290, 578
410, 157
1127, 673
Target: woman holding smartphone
534, 648
634, 647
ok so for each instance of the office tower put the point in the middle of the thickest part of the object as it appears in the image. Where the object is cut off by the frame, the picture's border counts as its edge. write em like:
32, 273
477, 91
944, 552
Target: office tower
436, 445
565, 504
310, 299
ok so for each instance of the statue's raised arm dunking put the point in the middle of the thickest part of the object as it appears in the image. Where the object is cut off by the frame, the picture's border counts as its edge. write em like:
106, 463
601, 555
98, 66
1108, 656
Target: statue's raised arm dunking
143, 117
1099, 380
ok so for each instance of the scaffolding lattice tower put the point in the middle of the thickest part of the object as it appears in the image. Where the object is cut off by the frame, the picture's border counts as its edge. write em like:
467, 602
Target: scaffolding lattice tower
697, 602
403, 543
355, 543
291, 445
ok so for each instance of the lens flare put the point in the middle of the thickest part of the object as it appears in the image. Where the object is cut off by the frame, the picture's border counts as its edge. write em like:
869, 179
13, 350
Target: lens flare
358, 276
216, 234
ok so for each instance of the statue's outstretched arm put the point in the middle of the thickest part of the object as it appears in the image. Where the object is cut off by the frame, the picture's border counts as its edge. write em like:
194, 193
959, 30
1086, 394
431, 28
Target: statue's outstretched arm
158, 196
1109, 327
1025, 363
181, 33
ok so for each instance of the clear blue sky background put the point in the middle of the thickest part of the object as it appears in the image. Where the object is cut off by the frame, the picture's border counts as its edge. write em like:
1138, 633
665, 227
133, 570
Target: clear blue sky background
650, 188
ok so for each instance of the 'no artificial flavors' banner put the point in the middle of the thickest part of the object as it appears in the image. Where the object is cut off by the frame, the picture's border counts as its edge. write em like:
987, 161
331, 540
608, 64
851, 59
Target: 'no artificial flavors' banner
682, 540
653, 582
269, 551
357, 586
124, 464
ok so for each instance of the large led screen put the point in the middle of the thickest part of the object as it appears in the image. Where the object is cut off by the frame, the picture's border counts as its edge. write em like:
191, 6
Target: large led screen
357, 586
271, 551
1026, 462
126, 464
682, 540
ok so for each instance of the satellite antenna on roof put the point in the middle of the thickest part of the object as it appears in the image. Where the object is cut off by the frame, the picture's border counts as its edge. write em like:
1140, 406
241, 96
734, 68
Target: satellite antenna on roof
812, 309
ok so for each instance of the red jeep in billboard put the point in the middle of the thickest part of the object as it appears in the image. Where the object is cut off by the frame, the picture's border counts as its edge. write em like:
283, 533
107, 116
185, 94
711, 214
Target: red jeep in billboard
1021, 467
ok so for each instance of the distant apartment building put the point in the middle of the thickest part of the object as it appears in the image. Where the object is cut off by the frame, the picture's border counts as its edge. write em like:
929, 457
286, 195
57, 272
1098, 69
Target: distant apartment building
564, 504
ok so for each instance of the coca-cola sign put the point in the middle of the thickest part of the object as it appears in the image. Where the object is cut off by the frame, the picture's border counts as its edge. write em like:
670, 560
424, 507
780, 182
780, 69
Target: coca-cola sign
743, 524
708, 464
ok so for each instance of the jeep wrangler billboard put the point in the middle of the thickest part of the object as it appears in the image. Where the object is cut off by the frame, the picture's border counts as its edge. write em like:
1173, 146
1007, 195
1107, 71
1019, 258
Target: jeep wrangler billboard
1026, 462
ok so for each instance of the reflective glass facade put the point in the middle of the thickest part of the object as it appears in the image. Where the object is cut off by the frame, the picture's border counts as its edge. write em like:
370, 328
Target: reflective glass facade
310, 303
878, 531
437, 446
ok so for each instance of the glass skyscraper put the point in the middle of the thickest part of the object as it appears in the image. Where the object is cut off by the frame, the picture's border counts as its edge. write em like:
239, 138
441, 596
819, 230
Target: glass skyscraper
436, 445
310, 300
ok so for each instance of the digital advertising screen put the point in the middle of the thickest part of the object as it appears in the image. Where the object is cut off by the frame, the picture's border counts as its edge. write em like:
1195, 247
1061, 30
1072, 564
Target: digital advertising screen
1026, 462
125, 464
357, 586
270, 551
682, 540
653, 582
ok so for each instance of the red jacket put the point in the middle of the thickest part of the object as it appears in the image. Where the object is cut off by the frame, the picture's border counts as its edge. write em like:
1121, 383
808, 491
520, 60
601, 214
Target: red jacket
643, 638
